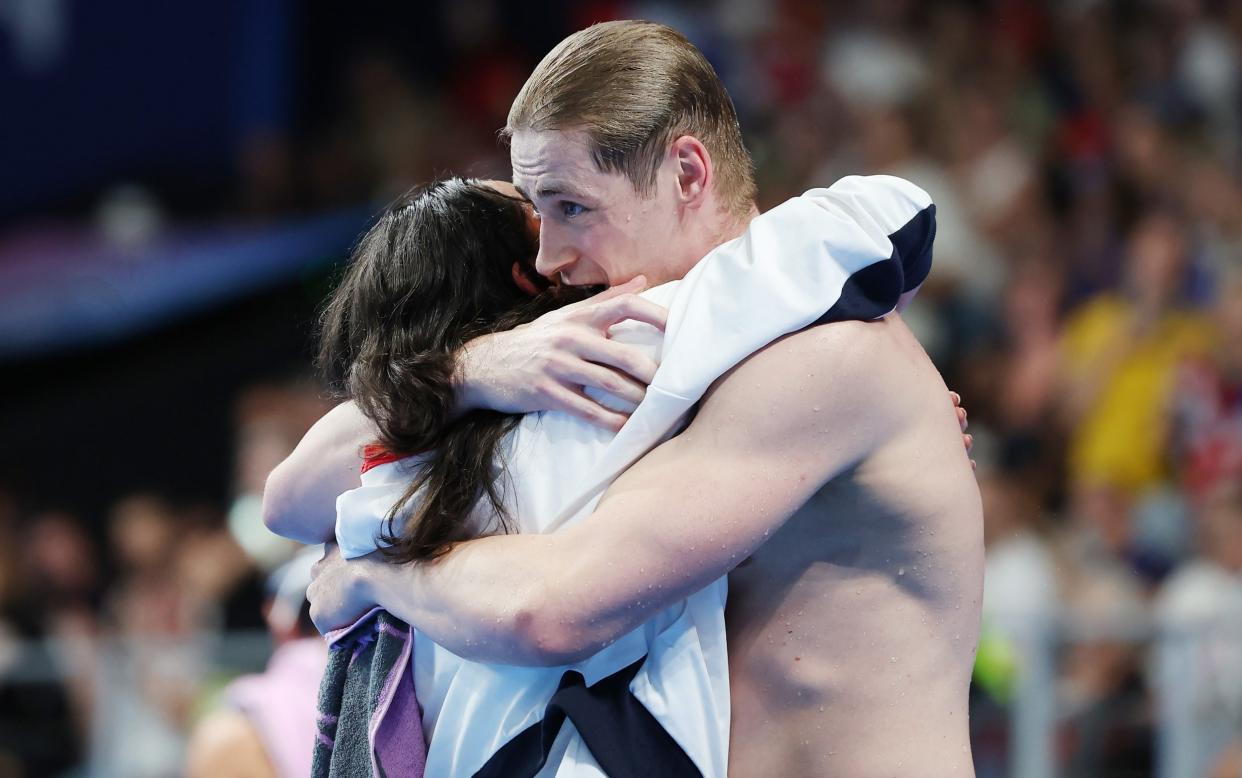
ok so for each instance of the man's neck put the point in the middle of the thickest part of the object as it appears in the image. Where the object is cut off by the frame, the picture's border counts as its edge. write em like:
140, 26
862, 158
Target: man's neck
729, 227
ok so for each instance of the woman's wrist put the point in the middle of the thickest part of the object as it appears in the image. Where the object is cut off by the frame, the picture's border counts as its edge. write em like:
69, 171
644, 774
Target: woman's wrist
468, 391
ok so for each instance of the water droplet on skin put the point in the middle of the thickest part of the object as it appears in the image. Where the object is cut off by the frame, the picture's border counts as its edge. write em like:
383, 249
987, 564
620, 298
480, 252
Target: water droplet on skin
893, 660
901, 571
815, 408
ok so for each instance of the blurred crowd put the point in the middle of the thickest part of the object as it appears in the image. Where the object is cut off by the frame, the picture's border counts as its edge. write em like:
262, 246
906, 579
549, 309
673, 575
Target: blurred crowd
1086, 301
110, 646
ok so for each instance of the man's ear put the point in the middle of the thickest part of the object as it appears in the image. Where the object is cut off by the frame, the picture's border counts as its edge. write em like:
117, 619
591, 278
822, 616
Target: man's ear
695, 174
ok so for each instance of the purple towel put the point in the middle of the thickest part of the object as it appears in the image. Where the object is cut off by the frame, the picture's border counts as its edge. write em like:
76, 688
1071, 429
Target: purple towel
369, 718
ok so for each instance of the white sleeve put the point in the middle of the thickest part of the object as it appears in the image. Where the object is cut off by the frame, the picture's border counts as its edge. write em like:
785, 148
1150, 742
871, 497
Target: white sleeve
832, 254
847, 252
892, 209
362, 513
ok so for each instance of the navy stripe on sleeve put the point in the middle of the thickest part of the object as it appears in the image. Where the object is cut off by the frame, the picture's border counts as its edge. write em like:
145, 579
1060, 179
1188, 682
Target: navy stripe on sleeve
913, 243
873, 291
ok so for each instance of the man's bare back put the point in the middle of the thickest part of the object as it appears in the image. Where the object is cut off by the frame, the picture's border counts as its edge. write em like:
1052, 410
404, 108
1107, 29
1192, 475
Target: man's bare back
852, 630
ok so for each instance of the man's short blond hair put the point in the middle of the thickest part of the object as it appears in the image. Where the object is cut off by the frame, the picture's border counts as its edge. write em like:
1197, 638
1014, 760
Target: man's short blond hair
634, 87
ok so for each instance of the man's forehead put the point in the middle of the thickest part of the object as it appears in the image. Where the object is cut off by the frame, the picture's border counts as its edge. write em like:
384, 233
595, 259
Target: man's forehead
547, 162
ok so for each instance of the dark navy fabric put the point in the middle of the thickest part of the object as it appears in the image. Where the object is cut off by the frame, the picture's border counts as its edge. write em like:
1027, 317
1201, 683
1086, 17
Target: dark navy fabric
625, 739
913, 243
873, 291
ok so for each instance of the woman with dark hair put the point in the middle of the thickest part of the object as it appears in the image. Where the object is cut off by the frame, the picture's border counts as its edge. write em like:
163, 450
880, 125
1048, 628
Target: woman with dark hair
451, 262
444, 264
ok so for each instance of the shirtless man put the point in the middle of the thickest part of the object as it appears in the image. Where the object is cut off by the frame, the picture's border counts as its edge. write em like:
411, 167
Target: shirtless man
830, 460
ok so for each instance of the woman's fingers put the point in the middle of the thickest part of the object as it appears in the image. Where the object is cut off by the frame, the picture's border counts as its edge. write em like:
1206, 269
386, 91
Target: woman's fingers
628, 359
615, 382
583, 407
625, 307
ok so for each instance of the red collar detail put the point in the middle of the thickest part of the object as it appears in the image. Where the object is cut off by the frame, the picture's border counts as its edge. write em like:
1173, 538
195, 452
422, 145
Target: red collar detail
374, 455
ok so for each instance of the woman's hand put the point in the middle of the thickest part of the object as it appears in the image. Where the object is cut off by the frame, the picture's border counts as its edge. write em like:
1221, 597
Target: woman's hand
968, 440
338, 593
546, 364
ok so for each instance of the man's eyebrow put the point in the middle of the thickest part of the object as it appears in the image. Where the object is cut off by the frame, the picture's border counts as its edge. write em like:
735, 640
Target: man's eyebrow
549, 190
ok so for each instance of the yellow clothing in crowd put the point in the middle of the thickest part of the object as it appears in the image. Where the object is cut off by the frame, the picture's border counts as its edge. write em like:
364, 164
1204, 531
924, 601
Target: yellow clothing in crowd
1120, 440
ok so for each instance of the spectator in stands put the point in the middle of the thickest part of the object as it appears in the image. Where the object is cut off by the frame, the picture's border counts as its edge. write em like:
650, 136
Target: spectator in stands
148, 682
47, 588
1207, 403
1106, 725
1121, 350
266, 724
1200, 609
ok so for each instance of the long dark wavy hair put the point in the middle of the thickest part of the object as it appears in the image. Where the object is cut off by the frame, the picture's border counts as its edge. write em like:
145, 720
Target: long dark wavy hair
436, 270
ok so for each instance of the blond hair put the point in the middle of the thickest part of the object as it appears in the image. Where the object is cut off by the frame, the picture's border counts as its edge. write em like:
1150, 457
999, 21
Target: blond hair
634, 87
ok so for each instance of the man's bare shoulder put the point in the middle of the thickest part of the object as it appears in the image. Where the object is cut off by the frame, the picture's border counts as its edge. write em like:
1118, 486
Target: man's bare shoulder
844, 359
824, 380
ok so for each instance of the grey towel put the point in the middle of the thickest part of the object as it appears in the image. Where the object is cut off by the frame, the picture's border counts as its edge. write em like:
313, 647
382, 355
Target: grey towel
369, 721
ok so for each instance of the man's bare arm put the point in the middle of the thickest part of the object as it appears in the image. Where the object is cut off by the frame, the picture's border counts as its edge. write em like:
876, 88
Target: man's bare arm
766, 438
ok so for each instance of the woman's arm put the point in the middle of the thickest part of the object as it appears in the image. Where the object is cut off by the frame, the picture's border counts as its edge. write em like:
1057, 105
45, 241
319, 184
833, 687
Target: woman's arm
299, 499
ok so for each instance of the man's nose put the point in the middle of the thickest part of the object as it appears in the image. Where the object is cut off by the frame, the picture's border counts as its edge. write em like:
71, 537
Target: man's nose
554, 255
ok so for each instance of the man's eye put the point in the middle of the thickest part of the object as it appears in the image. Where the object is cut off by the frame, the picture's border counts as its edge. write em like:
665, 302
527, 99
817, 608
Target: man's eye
570, 209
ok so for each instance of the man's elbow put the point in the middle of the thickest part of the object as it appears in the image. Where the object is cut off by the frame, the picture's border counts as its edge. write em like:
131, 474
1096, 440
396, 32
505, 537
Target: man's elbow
546, 636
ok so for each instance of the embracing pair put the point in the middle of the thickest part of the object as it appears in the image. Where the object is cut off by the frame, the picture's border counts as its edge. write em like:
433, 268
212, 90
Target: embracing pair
553, 497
